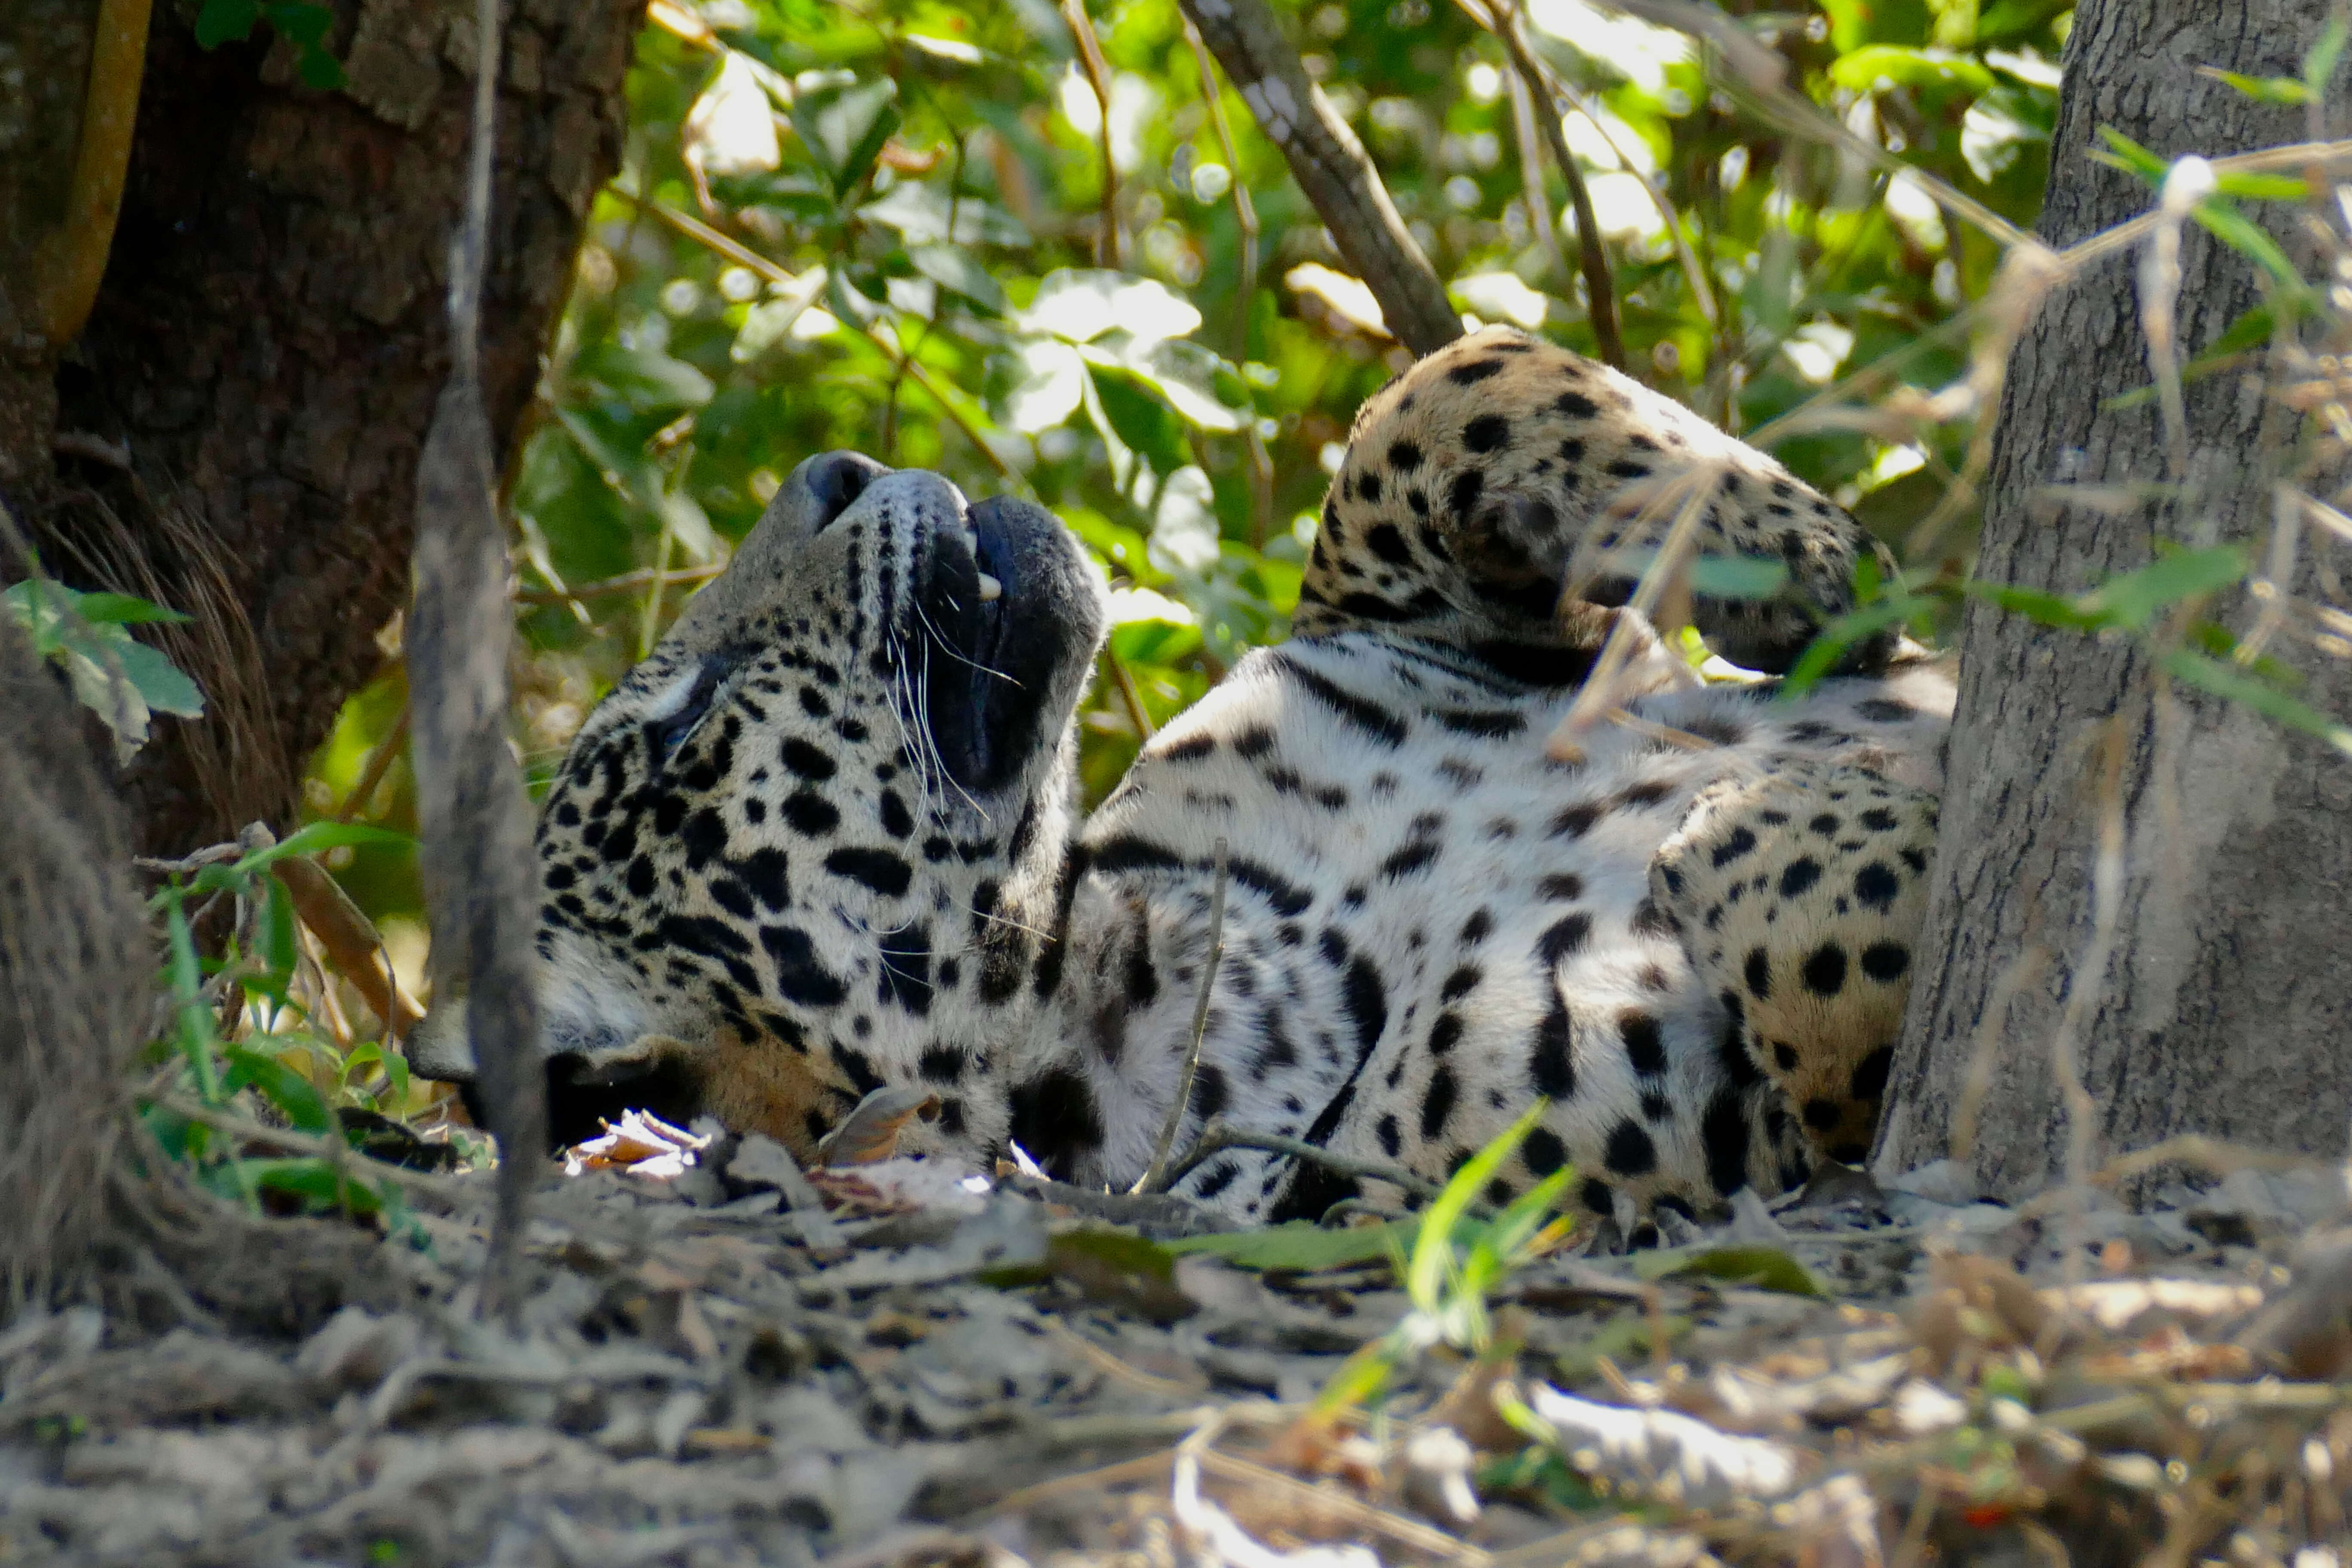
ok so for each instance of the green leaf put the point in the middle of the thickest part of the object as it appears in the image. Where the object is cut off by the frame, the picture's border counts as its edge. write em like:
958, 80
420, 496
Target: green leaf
1301, 1244
225, 21
299, 21
1195, 380
293, 1096
1759, 1267
957, 270
2260, 185
320, 69
2247, 238
1080, 304
1856, 22
1877, 67
2279, 90
315, 1180
1821, 656
1139, 418
319, 836
119, 609
161, 684
2125, 153
1956, 22
2048, 609
277, 947
1432, 1250
2133, 599
2231, 681
844, 127
645, 379
2319, 65
2006, 19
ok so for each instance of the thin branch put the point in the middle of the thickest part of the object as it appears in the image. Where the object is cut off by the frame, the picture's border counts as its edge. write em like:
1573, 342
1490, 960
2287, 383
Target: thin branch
379, 763
703, 234
446, 1189
1217, 1137
627, 583
1531, 80
1123, 681
1151, 1180
1331, 168
1245, 210
1108, 251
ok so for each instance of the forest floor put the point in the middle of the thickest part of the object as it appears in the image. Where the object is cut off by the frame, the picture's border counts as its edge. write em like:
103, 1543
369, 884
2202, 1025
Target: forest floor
895, 1365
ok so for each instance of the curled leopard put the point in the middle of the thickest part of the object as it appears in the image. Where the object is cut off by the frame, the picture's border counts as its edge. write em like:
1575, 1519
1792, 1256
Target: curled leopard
824, 839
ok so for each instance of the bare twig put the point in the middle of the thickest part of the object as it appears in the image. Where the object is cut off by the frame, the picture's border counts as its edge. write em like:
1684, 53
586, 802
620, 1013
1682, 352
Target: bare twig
1330, 166
1151, 1180
1109, 250
627, 583
446, 1189
1245, 210
475, 820
1122, 680
1216, 1138
379, 763
1531, 80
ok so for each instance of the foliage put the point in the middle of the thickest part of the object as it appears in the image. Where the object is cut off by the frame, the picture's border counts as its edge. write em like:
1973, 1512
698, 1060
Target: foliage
239, 1024
1453, 1265
882, 227
112, 674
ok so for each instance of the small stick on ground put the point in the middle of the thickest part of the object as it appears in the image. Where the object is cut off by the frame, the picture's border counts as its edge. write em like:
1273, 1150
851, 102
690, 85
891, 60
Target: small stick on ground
1153, 1179
444, 1189
1218, 1138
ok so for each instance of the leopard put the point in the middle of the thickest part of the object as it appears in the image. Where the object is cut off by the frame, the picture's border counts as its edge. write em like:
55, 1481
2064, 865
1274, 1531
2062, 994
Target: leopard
1358, 899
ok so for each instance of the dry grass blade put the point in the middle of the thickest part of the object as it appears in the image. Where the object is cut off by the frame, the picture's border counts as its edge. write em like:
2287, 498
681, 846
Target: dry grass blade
475, 821
1695, 487
1154, 1177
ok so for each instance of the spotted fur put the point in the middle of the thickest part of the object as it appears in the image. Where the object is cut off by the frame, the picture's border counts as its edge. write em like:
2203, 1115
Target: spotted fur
1503, 491
821, 841
1799, 895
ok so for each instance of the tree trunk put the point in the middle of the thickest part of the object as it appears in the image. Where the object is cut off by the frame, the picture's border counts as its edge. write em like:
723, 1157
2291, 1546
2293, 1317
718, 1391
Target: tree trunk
2225, 1006
267, 347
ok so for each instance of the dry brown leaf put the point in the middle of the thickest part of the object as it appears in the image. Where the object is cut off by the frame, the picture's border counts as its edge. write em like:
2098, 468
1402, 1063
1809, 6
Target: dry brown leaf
870, 1132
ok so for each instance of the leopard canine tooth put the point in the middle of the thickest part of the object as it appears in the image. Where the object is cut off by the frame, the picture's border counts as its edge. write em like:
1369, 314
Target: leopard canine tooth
990, 588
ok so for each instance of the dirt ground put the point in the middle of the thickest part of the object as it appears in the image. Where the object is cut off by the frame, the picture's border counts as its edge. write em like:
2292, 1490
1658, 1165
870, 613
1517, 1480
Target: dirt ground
899, 1364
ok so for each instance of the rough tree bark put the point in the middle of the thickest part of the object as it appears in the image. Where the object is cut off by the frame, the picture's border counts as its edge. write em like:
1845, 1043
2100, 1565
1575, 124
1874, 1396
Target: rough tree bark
267, 350
2225, 1007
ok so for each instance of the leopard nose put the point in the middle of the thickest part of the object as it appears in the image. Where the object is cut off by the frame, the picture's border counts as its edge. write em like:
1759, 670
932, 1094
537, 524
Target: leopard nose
837, 479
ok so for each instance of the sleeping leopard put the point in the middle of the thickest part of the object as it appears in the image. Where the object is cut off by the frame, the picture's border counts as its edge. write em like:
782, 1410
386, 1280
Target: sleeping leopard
824, 839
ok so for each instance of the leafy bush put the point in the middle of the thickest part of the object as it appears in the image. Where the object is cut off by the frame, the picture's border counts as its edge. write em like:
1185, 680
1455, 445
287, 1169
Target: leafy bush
884, 227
